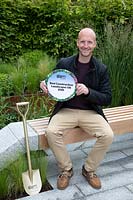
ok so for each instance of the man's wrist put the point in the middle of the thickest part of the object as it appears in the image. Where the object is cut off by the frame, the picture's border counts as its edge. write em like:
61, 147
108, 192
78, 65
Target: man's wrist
87, 91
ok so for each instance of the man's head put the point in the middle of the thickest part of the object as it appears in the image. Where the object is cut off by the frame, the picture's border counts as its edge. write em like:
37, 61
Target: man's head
86, 42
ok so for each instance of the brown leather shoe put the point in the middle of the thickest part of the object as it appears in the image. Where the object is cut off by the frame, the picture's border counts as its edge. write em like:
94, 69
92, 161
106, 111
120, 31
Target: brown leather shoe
63, 179
91, 178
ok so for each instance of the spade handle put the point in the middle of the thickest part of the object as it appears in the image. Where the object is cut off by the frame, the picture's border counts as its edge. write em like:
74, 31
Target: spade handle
22, 108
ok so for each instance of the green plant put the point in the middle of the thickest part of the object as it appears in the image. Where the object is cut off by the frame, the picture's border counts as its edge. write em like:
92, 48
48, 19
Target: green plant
30, 58
52, 26
19, 79
45, 66
6, 86
4, 183
3, 107
6, 68
7, 112
29, 69
11, 177
115, 51
40, 106
25, 74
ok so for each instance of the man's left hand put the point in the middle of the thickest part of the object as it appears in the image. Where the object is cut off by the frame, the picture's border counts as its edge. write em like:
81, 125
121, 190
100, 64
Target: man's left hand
81, 89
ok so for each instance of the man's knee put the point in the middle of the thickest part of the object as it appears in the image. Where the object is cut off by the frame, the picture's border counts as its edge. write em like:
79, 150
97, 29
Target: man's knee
52, 134
109, 137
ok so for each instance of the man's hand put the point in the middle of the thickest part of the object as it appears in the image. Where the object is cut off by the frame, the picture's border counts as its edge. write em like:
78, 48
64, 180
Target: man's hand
81, 89
43, 87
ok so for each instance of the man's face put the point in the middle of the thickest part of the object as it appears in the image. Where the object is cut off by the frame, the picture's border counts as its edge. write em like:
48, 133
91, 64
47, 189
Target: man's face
86, 44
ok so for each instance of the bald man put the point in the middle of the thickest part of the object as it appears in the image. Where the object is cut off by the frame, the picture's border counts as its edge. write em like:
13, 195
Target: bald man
84, 110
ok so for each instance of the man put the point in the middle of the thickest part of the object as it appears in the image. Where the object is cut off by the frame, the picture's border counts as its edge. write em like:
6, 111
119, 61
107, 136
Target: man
84, 110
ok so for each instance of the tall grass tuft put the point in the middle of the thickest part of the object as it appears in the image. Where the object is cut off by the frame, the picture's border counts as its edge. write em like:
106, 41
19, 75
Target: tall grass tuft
11, 185
25, 75
116, 50
40, 106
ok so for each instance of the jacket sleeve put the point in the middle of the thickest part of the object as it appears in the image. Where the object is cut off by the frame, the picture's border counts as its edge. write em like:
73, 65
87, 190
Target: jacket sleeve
60, 64
103, 95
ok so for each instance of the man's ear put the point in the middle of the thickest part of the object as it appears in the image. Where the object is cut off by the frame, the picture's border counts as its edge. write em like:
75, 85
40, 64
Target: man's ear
77, 43
95, 44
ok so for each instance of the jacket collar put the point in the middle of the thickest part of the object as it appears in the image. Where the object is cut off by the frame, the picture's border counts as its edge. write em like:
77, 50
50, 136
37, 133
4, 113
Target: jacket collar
92, 62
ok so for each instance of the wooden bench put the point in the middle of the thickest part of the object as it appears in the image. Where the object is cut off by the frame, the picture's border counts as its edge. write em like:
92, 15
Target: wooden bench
119, 118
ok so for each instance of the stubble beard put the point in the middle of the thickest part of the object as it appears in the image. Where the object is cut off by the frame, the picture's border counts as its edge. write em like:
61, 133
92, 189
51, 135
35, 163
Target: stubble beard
88, 54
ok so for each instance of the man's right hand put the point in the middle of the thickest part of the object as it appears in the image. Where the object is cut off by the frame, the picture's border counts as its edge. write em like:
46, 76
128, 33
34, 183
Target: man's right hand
43, 87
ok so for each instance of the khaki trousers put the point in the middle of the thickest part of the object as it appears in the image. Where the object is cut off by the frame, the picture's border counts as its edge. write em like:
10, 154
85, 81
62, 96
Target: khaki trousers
92, 123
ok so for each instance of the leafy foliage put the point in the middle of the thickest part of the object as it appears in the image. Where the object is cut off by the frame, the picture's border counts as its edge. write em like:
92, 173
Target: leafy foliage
52, 25
19, 81
24, 75
30, 28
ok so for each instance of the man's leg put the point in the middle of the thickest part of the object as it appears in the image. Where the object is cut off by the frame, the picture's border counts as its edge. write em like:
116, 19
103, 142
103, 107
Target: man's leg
65, 119
95, 125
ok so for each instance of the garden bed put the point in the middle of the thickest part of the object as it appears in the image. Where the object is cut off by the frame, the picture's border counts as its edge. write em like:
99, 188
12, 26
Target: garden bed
40, 105
11, 185
45, 187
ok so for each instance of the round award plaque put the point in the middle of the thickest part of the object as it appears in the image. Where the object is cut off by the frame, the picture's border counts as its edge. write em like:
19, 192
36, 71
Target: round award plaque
61, 84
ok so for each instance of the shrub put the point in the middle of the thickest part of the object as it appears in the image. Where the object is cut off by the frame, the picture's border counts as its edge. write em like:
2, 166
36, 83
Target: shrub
52, 25
6, 86
7, 112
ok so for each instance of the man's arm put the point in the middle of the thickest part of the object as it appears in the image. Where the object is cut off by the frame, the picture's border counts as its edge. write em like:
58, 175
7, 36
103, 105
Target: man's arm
103, 96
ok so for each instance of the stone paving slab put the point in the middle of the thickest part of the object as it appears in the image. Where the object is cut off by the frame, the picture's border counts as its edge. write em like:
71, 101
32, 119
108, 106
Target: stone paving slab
52, 171
6, 139
117, 164
111, 156
70, 193
127, 163
75, 156
18, 131
88, 144
118, 146
12, 142
105, 168
109, 182
10, 147
116, 174
117, 139
81, 153
130, 187
109, 168
116, 171
123, 137
128, 151
121, 193
111, 190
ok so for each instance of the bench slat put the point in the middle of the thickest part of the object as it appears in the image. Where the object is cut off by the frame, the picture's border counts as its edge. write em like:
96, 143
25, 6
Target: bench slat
118, 108
120, 119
